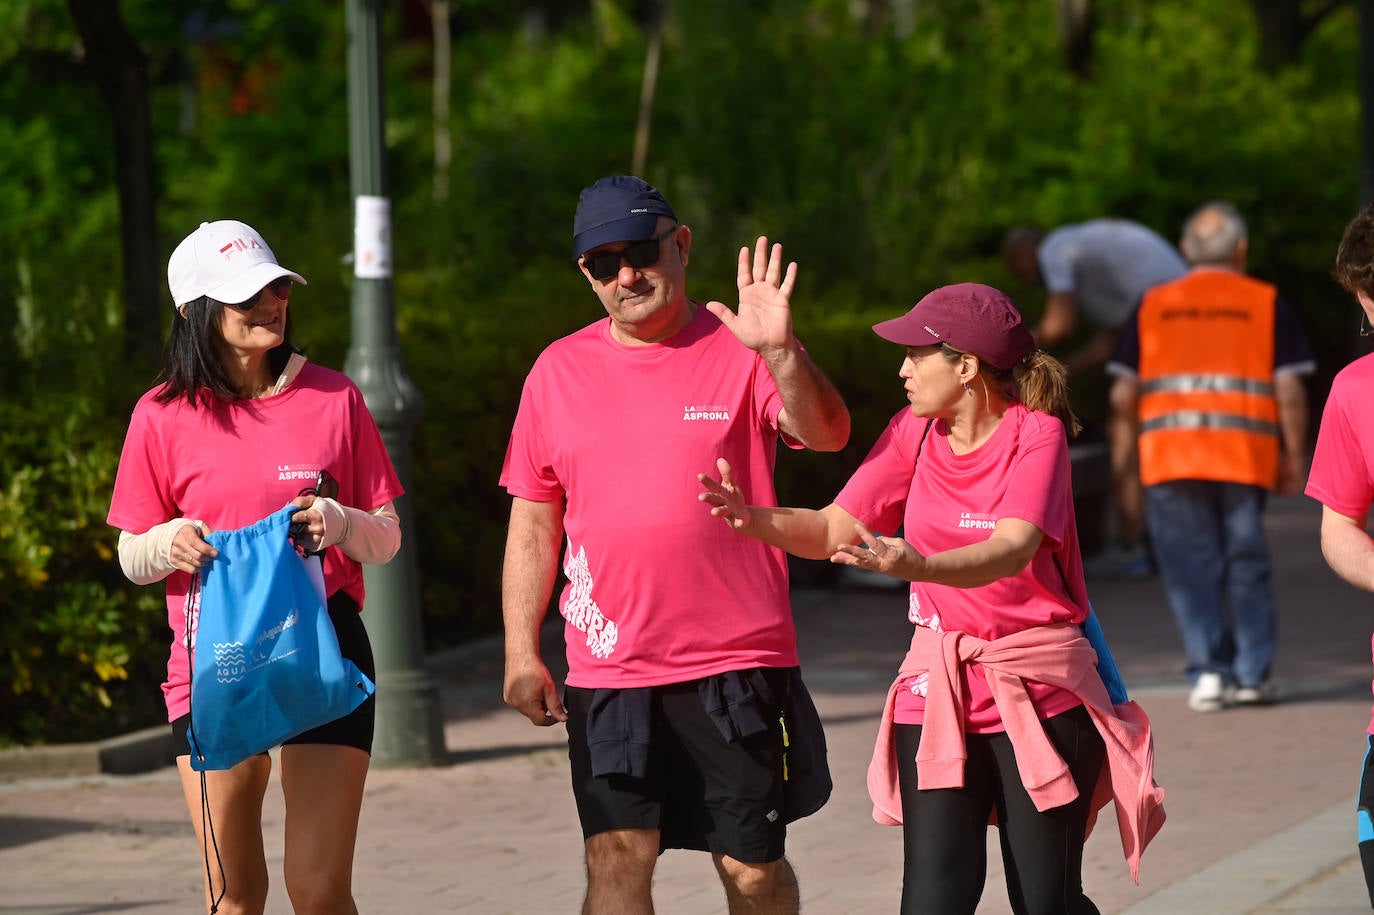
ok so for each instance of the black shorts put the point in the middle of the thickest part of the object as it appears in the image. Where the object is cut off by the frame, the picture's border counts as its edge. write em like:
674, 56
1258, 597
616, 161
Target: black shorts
354, 729
702, 792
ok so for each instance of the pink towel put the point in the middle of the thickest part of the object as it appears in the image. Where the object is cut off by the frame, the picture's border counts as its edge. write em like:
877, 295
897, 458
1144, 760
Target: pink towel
1057, 655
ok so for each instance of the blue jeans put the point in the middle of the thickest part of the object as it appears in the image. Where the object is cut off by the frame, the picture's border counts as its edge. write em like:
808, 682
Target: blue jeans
1213, 559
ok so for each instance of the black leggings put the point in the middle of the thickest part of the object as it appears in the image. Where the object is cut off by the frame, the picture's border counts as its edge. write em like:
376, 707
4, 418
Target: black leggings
1364, 818
945, 831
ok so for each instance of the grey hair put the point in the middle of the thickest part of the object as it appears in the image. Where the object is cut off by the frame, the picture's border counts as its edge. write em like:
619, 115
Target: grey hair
1212, 234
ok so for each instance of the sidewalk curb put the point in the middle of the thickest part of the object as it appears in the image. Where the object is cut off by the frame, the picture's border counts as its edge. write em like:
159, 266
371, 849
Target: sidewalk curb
1288, 867
127, 754
151, 748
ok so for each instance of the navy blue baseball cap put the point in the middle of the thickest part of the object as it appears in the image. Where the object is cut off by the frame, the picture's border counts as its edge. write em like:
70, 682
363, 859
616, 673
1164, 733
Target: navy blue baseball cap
617, 208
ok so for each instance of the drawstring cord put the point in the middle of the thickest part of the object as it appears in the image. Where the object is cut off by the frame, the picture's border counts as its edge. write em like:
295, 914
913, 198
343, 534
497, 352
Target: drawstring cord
207, 823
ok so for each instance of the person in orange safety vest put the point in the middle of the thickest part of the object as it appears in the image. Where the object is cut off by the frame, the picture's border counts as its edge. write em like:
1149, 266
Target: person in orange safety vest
1212, 365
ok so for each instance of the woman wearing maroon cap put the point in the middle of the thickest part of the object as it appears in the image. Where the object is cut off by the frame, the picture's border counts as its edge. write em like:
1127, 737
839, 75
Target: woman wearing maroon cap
998, 712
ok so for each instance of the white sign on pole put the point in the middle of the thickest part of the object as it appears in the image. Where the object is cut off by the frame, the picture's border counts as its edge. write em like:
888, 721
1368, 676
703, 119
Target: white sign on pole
371, 237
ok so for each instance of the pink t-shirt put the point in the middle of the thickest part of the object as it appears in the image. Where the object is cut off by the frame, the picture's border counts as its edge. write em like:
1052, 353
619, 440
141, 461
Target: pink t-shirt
1342, 475
945, 501
232, 464
658, 591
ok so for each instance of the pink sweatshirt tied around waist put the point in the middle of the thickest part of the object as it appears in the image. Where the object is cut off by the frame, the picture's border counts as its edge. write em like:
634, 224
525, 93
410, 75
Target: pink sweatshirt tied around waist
1057, 655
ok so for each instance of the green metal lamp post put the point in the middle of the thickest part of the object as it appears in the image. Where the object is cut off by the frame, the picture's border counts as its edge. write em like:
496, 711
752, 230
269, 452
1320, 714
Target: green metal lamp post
409, 723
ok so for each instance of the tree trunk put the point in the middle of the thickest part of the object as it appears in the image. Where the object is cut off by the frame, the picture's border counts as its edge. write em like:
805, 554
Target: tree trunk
1366, 77
1283, 27
1076, 23
118, 68
443, 94
648, 86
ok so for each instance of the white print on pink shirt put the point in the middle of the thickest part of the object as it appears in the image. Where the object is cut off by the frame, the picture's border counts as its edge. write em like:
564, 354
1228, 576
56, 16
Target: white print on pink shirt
582, 611
308, 472
977, 520
920, 683
717, 412
188, 635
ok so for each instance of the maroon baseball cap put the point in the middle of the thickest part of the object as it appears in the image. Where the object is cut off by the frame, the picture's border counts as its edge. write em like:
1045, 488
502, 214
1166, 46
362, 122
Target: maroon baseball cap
968, 316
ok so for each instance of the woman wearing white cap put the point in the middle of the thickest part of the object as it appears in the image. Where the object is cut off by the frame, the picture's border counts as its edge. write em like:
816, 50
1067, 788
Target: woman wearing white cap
998, 712
239, 424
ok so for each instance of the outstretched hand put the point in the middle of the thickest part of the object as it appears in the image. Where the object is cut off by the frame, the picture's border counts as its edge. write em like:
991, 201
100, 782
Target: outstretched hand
764, 319
724, 497
888, 555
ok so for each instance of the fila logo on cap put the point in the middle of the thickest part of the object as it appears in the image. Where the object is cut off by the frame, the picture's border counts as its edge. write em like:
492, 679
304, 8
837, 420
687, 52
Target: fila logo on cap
237, 245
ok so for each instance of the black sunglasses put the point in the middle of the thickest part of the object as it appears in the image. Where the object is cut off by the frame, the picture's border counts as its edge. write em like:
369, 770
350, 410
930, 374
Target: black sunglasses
641, 254
281, 288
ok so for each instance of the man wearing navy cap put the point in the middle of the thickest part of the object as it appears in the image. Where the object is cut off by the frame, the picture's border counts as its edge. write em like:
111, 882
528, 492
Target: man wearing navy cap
688, 722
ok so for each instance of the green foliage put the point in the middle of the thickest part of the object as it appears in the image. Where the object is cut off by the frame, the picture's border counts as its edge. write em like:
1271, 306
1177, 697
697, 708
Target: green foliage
889, 155
83, 648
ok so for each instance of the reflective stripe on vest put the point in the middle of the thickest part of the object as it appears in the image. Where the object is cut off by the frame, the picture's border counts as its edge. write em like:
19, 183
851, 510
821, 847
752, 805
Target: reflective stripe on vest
1209, 384
1195, 419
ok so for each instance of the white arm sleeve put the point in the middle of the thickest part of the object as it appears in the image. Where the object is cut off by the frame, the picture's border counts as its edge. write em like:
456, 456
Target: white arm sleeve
370, 537
147, 557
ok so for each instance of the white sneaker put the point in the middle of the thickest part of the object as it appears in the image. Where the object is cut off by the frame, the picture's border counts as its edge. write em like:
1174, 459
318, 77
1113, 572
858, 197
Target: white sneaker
1209, 693
1261, 694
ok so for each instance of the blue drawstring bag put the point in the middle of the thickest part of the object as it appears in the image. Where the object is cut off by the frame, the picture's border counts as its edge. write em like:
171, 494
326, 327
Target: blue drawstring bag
1106, 664
266, 664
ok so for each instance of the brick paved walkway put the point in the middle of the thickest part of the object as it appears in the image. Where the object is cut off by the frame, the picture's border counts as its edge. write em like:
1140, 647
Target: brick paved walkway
1258, 799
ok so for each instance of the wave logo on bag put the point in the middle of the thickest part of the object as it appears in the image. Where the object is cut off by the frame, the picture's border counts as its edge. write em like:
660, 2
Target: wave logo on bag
230, 664
234, 660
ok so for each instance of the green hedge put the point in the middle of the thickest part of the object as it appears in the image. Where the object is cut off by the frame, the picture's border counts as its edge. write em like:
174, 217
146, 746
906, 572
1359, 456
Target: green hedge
83, 649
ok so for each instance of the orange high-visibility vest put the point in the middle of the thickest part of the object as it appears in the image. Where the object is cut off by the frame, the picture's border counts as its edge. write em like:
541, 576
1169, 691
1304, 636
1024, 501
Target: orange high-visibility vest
1207, 405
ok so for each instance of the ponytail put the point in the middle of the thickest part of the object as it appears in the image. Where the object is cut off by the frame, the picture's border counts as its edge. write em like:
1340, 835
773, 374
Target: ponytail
1041, 382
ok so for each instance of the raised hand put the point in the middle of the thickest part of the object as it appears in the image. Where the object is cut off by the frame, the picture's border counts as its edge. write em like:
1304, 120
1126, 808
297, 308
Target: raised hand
764, 319
724, 497
889, 555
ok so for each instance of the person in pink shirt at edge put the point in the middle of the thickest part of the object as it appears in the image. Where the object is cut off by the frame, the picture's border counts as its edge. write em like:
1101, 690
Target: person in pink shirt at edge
688, 723
1342, 478
238, 425
977, 474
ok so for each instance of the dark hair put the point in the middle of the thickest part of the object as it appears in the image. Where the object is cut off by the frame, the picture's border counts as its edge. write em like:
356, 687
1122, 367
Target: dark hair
1355, 257
193, 363
1039, 381
1021, 238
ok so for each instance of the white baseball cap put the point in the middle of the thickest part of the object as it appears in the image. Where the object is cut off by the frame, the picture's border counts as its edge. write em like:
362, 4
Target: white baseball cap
226, 260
